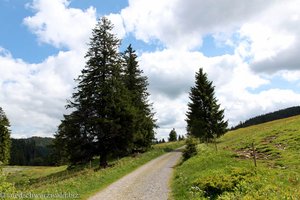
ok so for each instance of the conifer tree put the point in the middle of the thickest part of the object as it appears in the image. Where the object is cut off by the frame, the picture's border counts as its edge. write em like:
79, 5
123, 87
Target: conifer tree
103, 118
136, 84
4, 138
204, 116
173, 135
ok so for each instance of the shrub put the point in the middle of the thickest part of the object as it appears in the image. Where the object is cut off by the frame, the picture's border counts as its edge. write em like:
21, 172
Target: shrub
190, 148
215, 185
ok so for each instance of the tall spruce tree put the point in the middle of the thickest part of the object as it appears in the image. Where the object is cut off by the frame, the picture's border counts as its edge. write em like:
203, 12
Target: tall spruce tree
103, 118
136, 83
4, 138
205, 119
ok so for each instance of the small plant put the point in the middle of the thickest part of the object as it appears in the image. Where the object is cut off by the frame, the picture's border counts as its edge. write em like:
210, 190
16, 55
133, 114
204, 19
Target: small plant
191, 148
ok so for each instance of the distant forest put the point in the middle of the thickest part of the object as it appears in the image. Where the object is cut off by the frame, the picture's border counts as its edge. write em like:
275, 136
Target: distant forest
280, 114
34, 151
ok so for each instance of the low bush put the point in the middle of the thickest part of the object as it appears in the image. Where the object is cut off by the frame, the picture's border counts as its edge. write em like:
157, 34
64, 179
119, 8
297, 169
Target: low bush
190, 148
215, 185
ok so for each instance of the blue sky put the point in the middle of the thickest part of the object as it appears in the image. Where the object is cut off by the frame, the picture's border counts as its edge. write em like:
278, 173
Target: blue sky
249, 50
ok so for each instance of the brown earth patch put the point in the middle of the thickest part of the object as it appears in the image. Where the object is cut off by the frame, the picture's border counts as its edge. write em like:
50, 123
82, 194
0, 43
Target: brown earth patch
269, 139
248, 153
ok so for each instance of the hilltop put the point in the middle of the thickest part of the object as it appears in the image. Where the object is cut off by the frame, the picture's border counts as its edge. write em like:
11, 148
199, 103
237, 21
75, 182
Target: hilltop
229, 173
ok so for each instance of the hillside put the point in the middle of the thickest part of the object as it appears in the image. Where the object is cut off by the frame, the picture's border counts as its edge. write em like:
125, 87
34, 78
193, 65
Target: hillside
280, 114
31, 151
229, 173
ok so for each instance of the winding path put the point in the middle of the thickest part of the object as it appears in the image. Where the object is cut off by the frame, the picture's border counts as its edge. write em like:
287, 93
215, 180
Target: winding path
149, 182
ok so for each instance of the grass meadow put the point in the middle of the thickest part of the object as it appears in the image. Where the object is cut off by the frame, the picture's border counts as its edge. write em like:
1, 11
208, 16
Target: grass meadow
229, 172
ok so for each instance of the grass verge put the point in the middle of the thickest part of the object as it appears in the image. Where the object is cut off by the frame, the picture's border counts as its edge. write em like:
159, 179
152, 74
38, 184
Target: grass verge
230, 173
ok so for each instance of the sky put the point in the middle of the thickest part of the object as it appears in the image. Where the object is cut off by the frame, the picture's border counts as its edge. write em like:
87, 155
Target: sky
249, 49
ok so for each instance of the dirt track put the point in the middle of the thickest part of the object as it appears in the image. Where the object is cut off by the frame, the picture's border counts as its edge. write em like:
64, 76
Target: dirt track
149, 182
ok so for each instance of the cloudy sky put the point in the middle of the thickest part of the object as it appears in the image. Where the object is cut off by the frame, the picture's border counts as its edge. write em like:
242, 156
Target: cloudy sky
248, 48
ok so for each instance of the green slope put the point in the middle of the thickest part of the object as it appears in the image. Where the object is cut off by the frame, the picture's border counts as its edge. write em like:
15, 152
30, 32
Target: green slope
229, 173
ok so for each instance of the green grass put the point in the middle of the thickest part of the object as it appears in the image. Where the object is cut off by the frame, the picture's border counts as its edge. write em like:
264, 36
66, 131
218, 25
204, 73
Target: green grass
85, 180
230, 172
21, 175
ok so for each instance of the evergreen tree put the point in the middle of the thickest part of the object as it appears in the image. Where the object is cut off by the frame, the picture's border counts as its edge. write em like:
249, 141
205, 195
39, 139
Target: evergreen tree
103, 118
173, 135
180, 137
136, 84
190, 148
4, 138
204, 116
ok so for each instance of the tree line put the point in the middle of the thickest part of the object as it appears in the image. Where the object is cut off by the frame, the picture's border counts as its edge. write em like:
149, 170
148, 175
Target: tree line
34, 151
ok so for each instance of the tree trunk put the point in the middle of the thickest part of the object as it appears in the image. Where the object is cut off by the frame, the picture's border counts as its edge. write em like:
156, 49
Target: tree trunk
103, 160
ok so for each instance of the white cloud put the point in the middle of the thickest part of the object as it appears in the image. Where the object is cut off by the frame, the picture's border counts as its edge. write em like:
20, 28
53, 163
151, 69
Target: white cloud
56, 24
182, 24
118, 23
170, 113
265, 43
273, 38
242, 106
264, 34
268, 31
34, 95
171, 74
291, 76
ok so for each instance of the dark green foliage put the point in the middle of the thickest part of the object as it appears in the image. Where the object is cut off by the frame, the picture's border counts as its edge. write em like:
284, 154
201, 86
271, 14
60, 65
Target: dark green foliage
4, 138
173, 135
111, 116
190, 148
280, 114
71, 143
136, 84
100, 124
179, 138
204, 116
33, 151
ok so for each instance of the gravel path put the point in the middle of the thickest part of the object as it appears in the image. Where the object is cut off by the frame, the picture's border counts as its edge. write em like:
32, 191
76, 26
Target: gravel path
149, 182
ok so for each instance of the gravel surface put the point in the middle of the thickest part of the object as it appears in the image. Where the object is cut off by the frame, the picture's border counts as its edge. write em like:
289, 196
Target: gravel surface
149, 182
